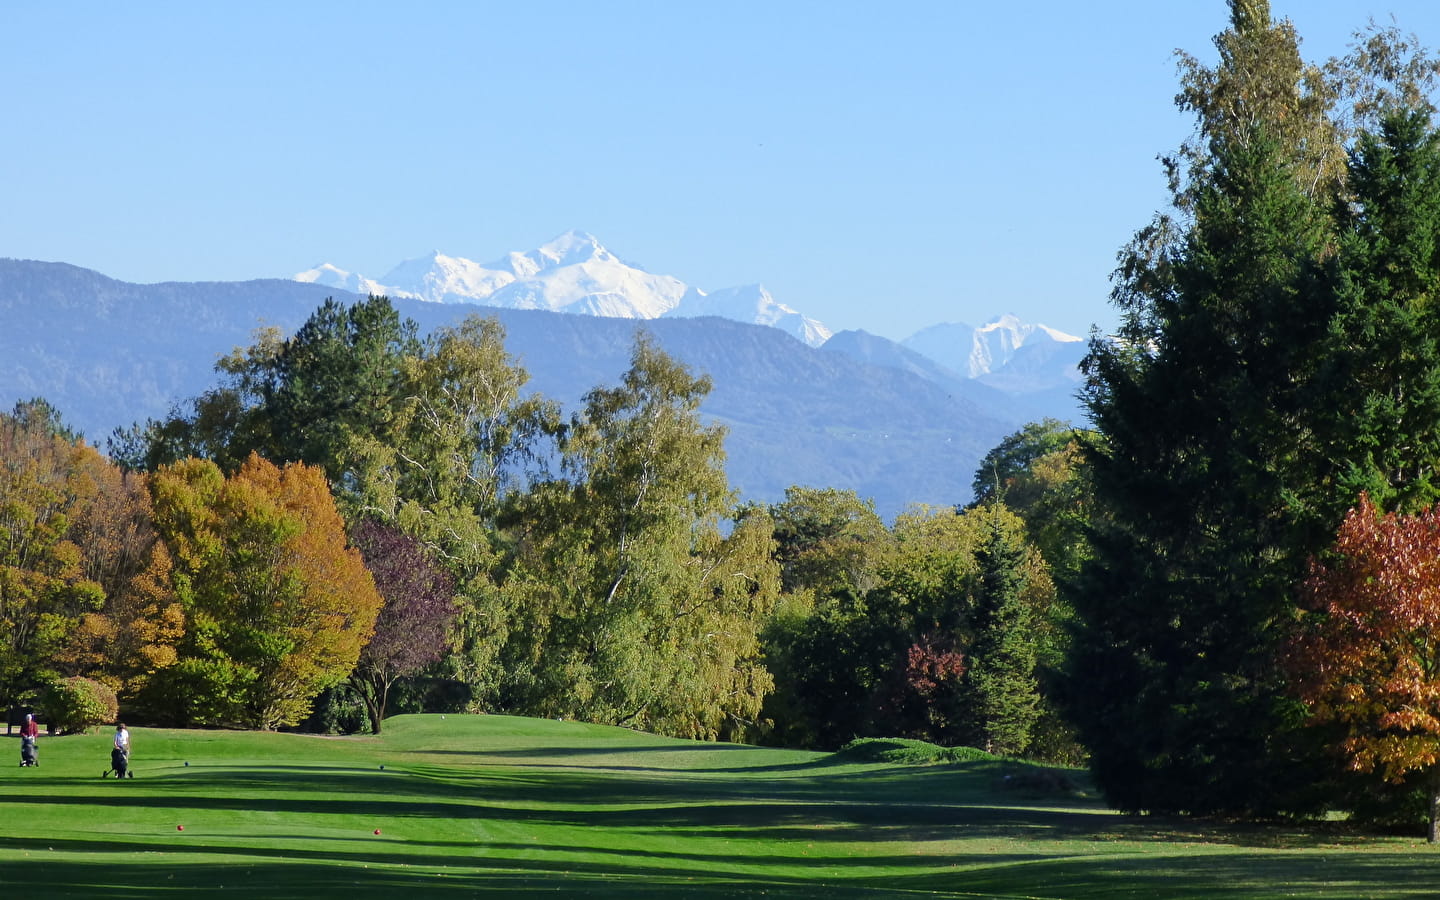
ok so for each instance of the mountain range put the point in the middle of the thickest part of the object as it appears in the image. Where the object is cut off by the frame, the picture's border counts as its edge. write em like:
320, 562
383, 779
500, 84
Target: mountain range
573, 273
888, 420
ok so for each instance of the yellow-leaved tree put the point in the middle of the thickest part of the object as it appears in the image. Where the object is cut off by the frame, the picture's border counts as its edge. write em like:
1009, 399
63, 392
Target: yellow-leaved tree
277, 605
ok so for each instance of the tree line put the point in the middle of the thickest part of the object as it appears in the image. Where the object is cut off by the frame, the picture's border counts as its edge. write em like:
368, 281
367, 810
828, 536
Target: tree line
354, 510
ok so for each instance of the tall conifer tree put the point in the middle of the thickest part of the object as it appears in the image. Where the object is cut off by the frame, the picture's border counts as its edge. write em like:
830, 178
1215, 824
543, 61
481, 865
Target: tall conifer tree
1000, 685
1201, 472
1382, 371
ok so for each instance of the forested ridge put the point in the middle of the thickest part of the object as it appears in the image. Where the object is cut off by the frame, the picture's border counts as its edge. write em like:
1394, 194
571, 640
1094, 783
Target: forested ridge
1220, 594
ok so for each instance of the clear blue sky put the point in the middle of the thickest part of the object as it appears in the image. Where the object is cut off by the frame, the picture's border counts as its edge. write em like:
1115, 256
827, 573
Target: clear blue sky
877, 166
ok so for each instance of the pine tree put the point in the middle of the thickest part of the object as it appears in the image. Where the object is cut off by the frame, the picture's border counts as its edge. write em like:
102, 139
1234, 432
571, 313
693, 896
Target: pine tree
1201, 483
1000, 684
1382, 369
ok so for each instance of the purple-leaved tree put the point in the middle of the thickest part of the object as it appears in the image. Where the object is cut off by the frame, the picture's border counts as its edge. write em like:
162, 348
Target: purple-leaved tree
412, 629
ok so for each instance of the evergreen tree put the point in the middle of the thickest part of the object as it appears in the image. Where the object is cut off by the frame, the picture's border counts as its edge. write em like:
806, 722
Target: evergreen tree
1382, 371
1206, 507
1228, 413
1000, 680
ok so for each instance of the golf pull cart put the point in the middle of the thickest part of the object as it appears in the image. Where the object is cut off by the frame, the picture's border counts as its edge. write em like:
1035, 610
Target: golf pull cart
119, 764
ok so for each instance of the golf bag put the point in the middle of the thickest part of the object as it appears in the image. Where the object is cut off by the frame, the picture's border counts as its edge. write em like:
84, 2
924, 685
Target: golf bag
27, 751
119, 764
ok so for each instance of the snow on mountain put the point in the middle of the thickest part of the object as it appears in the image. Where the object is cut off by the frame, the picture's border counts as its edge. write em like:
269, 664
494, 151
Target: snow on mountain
444, 279
753, 304
330, 276
573, 273
975, 352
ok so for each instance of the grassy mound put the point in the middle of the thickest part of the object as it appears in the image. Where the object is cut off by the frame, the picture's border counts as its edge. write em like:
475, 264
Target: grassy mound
907, 752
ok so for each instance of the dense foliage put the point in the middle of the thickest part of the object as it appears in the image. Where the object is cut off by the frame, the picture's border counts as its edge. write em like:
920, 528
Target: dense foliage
1273, 361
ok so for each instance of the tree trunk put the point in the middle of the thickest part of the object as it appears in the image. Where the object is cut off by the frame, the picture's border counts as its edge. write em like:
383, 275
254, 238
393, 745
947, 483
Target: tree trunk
374, 702
1434, 832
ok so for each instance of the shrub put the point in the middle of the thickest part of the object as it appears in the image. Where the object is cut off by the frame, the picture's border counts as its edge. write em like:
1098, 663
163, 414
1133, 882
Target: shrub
337, 710
904, 751
76, 704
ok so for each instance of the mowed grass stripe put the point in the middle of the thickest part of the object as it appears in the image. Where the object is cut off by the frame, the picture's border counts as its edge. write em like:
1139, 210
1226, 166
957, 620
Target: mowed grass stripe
499, 805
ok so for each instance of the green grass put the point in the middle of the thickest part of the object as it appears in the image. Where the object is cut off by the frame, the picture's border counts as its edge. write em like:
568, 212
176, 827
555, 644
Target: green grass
470, 805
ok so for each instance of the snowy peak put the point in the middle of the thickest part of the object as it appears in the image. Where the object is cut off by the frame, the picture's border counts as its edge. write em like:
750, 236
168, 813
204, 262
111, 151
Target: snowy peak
572, 273
753, 303
444, 279
574, 248
975, 352
335, 277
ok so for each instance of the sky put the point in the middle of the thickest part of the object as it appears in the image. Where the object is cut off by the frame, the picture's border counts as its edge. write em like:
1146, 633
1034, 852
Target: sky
882, 167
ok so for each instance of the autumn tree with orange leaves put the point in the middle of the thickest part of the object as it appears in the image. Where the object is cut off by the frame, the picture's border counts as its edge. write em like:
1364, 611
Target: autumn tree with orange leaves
1366, 658
277, 604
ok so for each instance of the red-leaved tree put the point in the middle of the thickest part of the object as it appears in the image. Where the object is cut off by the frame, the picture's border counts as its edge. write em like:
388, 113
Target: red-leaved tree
1367, 654
412, 629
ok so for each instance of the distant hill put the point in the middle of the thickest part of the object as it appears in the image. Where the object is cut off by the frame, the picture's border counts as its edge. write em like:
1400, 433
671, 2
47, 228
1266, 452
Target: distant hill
108, 353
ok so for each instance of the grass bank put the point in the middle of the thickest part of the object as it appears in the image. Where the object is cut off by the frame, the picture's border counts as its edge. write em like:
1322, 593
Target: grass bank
467, 805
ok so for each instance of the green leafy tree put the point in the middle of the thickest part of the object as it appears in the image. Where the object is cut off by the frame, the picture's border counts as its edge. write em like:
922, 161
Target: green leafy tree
895, 660
75, 705
632, 606
829, 541
312, 397
840, 667
465, 438
338, 380
1038, 473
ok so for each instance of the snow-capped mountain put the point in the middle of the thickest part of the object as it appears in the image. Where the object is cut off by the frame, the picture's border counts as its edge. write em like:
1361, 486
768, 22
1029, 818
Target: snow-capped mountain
330, 276
573, 273
753, 304
977, 352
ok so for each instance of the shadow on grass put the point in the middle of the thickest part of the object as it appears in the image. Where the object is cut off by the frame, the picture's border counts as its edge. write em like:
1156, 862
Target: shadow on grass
665, 808
288, 872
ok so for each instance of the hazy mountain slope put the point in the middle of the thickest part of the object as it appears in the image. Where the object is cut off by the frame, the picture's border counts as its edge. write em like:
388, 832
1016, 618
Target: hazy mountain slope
108, 353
